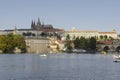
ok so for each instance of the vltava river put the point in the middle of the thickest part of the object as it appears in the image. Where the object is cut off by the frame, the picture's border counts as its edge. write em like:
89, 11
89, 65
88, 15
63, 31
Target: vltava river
58, 67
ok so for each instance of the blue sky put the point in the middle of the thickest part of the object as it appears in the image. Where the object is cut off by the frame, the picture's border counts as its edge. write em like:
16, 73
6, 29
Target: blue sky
103, 15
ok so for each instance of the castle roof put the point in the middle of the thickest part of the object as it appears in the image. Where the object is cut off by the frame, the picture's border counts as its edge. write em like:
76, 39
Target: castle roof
107, 32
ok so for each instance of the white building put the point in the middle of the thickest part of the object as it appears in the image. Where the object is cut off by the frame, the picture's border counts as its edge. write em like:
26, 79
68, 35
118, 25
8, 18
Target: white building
88, 33
112, 34
20, 31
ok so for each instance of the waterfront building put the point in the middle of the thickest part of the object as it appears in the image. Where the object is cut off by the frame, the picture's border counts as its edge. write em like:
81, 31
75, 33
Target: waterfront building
56, 45
88, 33
61, 44
37, 45
112, 34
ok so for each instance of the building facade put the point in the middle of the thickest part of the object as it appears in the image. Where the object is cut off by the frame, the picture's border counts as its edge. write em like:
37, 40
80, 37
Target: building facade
112, 34
44, 27
89, 33
37, 45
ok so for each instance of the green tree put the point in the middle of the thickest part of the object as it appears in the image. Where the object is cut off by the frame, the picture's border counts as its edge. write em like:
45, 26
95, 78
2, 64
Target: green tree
92, 43
19, 42
7, 45
9, 42
82, 44
68, 37
68, 45
3, 43
77, 42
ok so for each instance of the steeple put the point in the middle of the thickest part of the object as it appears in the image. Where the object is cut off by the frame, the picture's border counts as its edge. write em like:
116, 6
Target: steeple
38, 26
39, 20
39, 23
15, 30
32, 25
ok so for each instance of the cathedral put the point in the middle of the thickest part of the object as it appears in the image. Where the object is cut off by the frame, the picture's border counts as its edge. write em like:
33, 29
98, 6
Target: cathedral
41, 27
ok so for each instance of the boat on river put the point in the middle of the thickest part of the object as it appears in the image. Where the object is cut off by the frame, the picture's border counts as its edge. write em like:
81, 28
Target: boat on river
116, 60
116, 56
78, 50
43, 55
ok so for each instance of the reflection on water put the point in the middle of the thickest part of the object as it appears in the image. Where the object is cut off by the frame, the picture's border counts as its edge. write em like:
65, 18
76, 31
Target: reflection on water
58, 67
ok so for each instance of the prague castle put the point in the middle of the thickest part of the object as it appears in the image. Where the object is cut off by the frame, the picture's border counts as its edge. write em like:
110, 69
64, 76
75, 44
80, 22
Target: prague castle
36, 43
90, 33
37, 28
43, 27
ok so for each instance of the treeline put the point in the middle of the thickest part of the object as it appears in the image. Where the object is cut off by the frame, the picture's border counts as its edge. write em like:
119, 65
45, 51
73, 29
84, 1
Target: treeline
88, 44
9, 42
43, 34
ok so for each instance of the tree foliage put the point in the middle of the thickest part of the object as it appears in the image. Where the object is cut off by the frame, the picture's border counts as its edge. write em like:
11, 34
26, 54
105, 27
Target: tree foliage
92, 43
9, 42
68, 37
19, 42
83, 43
68, 45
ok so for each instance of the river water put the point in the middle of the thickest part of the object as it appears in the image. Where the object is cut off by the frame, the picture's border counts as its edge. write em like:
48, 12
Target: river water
58, 67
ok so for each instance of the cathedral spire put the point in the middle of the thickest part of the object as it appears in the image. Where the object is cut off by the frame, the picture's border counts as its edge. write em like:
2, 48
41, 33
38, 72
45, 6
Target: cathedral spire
39, 20
39, 23
32, 27
38, 26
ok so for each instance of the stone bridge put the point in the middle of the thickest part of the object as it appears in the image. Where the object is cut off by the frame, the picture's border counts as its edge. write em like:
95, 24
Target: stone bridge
109, 47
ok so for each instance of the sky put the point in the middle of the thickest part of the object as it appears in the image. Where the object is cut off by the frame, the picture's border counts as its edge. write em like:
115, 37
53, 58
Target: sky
101, 15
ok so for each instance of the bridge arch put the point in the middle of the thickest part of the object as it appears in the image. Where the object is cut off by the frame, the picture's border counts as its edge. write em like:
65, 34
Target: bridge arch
118, 48
106, 48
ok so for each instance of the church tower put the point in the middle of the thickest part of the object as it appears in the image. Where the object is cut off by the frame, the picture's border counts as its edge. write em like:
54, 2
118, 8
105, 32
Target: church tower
38, 26
33, 25
15, 30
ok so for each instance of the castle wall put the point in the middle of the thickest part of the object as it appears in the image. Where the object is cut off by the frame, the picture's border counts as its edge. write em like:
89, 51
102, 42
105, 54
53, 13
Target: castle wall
37, 45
